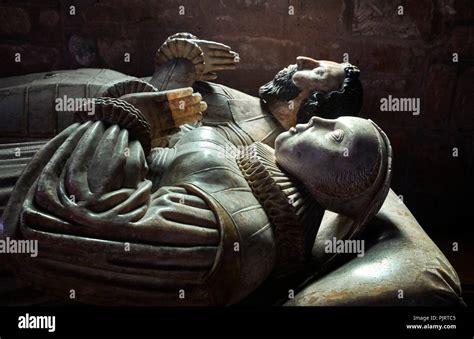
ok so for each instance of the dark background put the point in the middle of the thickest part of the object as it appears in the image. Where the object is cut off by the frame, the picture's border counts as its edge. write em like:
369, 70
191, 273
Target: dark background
407, 56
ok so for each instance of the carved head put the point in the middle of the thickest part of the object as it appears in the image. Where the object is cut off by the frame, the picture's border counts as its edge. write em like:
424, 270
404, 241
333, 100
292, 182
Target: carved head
344, 163
313, 88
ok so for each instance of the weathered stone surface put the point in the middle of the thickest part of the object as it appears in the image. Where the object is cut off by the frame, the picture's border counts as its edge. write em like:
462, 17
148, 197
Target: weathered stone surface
461, 41
120, 54
383, 19
49, 18
13, 122
456, 10
106, 13
377, 90
82, 49
385, 58
14, 20
438, 88
321, 17
31, 58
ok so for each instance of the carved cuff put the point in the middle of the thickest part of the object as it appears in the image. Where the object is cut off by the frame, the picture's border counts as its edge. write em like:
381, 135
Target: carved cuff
183, 48
127, 87
120, 112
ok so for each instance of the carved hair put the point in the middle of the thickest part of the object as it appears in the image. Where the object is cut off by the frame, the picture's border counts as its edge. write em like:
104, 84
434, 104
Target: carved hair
347, 100
281, 87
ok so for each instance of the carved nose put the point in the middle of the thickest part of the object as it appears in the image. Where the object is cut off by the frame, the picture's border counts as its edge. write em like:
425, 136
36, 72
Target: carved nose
326, 123
306, 63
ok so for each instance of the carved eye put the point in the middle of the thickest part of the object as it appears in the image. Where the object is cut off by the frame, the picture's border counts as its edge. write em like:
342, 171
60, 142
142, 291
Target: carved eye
337, 135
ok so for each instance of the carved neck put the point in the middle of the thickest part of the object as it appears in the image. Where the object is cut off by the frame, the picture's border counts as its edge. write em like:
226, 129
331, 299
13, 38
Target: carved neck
294, 214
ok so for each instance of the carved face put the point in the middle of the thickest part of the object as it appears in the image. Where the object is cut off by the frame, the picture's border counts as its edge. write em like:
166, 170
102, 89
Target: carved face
296, 82
322, 75
335, 159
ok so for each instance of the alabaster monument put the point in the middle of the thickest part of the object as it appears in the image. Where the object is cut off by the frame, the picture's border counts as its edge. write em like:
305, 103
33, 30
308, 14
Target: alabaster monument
176, 190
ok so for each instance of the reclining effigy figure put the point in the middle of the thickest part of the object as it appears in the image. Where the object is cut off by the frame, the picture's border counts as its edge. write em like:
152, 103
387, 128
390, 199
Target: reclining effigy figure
217, 213
209, 223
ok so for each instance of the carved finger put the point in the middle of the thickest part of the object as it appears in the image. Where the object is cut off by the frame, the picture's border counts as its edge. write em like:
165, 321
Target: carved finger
169, 189
136, 167
188, 110
215, 45
197, 60
176, 233
102, 159
179, 104
167, 117
111, 199
138, 198
223, 61
47, 192
178, 93
76, 168
186, 199
199, 68
224, 67
117, 161
191, 215
221, 53
132, 209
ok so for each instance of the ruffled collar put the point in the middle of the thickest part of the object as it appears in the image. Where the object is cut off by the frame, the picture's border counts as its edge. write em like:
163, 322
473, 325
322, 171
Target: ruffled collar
294, 214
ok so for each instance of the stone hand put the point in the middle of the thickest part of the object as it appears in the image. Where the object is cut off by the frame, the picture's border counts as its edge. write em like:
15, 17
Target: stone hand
180, 218
107, 175
206, 56
217, 57
103, 188
168, 109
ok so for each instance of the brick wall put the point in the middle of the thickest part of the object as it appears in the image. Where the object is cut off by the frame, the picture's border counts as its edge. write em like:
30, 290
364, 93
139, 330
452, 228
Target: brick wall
409, 55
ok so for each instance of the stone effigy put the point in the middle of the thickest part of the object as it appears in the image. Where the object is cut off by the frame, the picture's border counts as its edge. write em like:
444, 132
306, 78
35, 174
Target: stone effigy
199, 205
158, 195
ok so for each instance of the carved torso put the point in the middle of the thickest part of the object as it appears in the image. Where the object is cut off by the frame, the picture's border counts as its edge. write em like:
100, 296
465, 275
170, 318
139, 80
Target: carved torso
241, 118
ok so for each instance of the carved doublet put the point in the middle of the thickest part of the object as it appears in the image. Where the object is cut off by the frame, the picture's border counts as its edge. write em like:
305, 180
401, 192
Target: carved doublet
205, 161
238, 116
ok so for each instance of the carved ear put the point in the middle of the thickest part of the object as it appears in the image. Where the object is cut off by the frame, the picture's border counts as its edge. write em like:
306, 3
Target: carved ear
306, 63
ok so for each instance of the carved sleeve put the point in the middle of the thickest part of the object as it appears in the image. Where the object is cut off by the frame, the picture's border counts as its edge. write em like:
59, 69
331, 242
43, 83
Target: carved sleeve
93, 196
